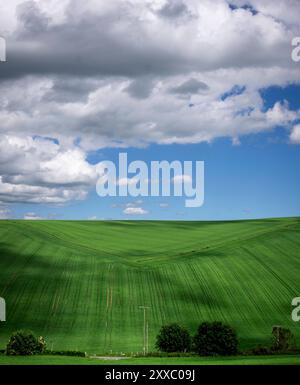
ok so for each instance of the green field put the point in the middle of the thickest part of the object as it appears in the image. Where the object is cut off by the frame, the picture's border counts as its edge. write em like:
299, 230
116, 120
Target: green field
80, 284
240, 360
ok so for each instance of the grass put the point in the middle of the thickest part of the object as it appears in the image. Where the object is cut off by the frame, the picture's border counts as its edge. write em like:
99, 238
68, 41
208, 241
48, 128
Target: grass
240, 360
80, 284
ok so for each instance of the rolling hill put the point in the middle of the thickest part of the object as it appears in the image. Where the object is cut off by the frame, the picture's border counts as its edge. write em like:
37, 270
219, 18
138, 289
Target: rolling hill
80, 283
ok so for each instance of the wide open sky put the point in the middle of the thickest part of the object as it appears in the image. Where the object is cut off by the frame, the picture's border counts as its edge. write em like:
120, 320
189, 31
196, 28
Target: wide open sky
160, 79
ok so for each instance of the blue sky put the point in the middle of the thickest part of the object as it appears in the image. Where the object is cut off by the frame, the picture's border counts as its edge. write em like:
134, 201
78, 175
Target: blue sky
257, 178
70, 100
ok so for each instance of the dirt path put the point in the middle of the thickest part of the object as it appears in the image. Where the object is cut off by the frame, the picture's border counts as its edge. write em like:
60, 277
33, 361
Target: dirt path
107, 358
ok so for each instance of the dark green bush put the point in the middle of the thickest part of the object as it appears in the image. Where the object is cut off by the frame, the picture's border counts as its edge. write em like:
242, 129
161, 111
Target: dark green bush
24, 343
260, 350
283, 340
215, 338
173, 338
165, 354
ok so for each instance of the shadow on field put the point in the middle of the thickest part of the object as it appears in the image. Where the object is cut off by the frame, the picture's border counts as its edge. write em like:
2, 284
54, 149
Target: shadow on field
155, 261
30, 265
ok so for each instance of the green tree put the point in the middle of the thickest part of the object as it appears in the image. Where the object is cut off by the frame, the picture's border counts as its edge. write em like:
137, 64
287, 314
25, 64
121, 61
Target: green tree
215, 338
173, 338
24, 343
283, 339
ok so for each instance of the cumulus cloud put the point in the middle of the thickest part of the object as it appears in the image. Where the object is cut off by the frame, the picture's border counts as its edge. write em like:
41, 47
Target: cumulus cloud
135, 211
31, 19
140, 88
295, 135
163, 205
110, 117
32, 217
134, 203
137, 38
38, 170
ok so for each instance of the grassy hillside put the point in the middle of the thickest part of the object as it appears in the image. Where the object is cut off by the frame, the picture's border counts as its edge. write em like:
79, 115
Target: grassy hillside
80, 284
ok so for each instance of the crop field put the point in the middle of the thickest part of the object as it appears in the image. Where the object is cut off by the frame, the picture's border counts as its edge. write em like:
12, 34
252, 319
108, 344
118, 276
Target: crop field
80, 284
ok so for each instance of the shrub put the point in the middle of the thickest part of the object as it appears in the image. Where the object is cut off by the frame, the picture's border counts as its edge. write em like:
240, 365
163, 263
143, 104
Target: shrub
283, 339
24, 343
260, 350
215, 338
173, 338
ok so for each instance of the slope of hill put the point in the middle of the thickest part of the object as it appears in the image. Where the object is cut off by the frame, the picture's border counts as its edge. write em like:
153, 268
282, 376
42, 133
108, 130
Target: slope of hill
80, 284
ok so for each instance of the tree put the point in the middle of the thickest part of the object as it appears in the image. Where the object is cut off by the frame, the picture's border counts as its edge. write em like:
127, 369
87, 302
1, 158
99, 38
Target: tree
215, 338
283, 339
24, 343
173, 338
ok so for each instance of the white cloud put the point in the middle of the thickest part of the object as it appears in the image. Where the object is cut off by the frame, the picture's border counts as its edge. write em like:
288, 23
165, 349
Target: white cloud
163, 205
135, 211
32, 217
182, 179
41, 171
280, 114
134, 204
236, 141
97, 106
110, 117
295, 135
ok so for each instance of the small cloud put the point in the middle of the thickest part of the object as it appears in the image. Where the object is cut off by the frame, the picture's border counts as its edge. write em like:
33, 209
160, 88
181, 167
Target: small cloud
134, 204
236, 141
295, 135
127, 181
182, 179
94, 218
128, 204
174, 9
32, 217
164, 205
135, 211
